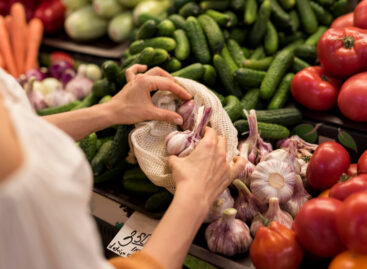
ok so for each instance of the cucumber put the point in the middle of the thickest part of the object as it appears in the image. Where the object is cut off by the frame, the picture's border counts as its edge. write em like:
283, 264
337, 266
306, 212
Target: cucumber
103, 87
172, 65
159, 201
271, 42
100, 141
220, 97
262, 64
340, 7
279, 16
258, 53
221, 5
189, 9
250, 100
293, 15
178, 21
250, 14
213, 33
182, 50
246, 52
98, 162
285, 39
326, 2
194, 71
89, 146
105, 99
258, 31
220, 18
282, 61
166, 43
306, 52
226, 76
268, 131
138, 186
236, 52
281, 95
198, 41
210, 75
237, 5
298, 65
159, 57
120, 146
166, 28
110, 70
147, 30
292, 46
314, 39
133, 59
308, 18
177, 4
307, 132
238, 34
229, 60
146, 55
88, 101
134, 173
287, 4
233, 107
112, 174
146, 16
282, 116
233, 20
323, 16
248, 78
58, 109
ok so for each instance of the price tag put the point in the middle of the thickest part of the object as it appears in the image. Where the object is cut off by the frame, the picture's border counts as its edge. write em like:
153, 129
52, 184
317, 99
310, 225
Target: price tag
133, 235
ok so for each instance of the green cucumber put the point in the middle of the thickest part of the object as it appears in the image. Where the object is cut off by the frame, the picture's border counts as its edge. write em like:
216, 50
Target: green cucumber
226, 76
166, 28
58, 109
308, 17
89, 146
147, 30
250, 100
189, 9
281, 95
237, 5
146, 55
229, 60
280, 17
110, 70
326, 2
111, 174
172, 65
133, 59
194, 71
299, 64
120, 146
98, 161
139, 186
145, 17
217, 5
249, 78
293, 15
198, 41
233, 20
306, 52
178, 21
236, 52
285, 39
220, 18
238, 34
220, 97
166, 43
213, 33
322, 15
210, 75
282, 116
262, 64
287, 4
103, 87
105, 99
182, 50
258, 31
258, 53
314, 39
159, 201
340, 7
268, 131
177, 4
271, 42
250, 14
100, 141
134, 173
159, 57
246, 52
233, 107
88, 101
282, 61
292, 46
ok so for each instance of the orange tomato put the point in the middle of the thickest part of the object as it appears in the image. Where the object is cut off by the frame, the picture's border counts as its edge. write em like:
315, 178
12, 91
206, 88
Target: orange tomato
349, 260
325, 193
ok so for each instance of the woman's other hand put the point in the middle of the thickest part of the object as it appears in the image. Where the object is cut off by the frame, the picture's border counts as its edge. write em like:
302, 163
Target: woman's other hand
133, 103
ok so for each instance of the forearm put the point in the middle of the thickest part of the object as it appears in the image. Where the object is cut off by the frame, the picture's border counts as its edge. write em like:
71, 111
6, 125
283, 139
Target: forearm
79, 123
173, 236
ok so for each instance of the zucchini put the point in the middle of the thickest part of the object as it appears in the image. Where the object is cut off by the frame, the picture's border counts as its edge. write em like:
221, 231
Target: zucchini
89, 146
282, 116
98, 161
258, 31
159, 202
166, 28
233, 20
103, 87
281, 95
250, 100
250, 14
258, 53
314, 39
308, 18
220, 18
262, 64
293, 15
147, 30
194, 72
236, 52
268, 131
172, 65
178, 21
198, 41
238, 34
88, 101
282, 61
298, 65
233, 107
112, 174
189, 9
248, 78
58, 109
182, 50
120, 146
166, 43
221, 5
306, 52
229, 60
213, 33
210, 75
322, 15
271, 42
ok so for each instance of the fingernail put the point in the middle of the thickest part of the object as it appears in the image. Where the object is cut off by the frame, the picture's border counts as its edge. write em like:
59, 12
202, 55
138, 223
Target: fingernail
178, 121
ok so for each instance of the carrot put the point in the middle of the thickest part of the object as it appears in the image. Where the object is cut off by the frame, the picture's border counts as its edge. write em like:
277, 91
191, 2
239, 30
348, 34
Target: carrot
35, 32
5, 49
8, 23
18, 35
2, 64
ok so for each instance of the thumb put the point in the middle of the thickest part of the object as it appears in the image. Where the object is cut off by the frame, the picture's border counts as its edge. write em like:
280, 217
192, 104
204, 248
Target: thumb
172, 161
237, 166
167, 115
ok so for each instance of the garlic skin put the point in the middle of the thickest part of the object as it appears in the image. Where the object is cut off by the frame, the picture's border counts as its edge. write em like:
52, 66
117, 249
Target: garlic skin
176, 142
274, 213
224, 201
300, 196
264, 149
36, 98
247, 205
228, 235
188, 112
300, 144
273, 178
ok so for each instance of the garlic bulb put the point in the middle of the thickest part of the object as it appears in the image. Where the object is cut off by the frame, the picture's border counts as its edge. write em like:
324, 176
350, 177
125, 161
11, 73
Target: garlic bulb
223, 202
273, 178
274, 213
36, 98
228, 235
247, 204
264, 149
188, 111
300, 144
59, 97
300, 196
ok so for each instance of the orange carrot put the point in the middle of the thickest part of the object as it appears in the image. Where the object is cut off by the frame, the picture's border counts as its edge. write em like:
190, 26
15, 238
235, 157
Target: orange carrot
35, 32
5, 49
8, 23
18, 35
2, 64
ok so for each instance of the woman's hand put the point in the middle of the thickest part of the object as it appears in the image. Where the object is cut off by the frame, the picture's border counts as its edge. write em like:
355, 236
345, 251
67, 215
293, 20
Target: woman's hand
204, 174
133, 103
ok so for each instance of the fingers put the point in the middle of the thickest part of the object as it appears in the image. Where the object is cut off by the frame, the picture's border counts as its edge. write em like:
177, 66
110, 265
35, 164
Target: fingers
237, 167
133, 70
167, 84
222, 144
172, 161
157, 71
210, 138
166, 115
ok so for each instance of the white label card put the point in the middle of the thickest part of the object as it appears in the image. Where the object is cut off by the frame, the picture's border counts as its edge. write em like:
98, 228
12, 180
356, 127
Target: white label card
133, 235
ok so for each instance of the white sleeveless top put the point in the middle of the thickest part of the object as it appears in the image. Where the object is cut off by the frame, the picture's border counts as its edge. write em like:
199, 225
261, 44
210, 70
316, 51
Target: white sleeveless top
44, 205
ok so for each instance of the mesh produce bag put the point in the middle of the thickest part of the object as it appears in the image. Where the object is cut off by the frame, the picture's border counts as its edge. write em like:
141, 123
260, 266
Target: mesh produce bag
148, 138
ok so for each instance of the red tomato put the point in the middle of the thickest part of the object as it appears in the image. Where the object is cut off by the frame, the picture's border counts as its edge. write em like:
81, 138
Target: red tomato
360, 15
61, 56
352, 99
343, 21
327, 164
315, 227
342, 190
351, 222
349, 260
352, 170
362, 163
314, 89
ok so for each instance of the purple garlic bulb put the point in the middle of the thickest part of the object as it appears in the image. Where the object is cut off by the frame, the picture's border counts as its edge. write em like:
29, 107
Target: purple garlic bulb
300, 196
188, 111
223, 202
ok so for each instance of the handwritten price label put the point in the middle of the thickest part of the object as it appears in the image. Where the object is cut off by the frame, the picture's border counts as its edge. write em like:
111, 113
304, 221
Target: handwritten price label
133, 235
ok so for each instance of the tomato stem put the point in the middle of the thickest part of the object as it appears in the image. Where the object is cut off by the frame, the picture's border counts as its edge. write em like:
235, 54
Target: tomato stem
348, 42
344, 177
324, 78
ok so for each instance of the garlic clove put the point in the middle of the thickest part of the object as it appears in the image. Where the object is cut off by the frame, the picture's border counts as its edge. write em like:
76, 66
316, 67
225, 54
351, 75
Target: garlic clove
298, 199
223, 202
176, 142
188, 111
